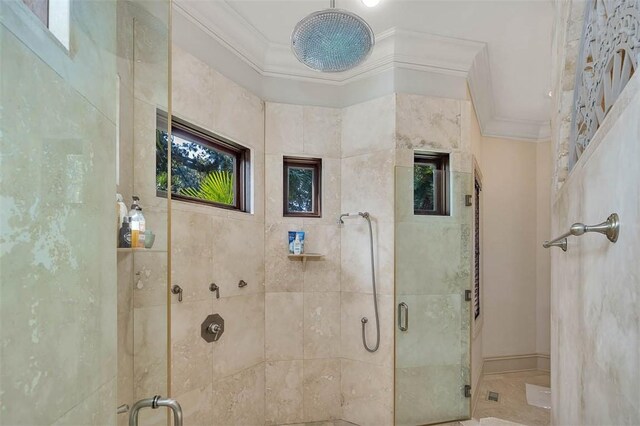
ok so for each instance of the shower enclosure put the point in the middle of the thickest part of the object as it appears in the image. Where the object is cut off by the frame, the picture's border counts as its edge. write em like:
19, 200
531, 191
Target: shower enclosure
84, 324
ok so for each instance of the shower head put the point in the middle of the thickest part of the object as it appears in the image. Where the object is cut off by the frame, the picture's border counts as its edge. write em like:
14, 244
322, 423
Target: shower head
332, 40
340, 221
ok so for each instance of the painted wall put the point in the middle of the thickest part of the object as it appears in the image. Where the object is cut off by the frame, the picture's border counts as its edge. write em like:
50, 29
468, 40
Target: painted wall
543, 257
516, 272
509, 170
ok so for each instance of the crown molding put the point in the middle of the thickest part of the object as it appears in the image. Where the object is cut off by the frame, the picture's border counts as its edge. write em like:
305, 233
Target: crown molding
220, 21
525, 130
395, 46
436, 65
481, 89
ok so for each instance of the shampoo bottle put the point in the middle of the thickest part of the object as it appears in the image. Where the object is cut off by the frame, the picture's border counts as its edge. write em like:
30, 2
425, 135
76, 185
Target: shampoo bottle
124, 237
137, 224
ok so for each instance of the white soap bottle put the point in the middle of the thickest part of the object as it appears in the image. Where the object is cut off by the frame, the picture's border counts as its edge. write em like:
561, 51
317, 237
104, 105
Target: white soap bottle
297, 245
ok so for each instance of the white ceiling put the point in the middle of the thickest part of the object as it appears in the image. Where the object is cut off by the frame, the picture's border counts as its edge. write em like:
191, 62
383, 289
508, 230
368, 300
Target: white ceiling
515, 34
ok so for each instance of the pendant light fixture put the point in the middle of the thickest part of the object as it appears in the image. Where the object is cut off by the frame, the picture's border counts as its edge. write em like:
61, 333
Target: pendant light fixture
332, 40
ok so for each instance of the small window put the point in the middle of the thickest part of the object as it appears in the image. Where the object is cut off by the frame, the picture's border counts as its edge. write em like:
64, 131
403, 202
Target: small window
430, 184
204, 168
302, 177
54, 14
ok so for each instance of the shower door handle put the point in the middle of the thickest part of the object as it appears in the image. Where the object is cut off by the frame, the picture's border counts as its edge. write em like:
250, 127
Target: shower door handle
154, 403
403, 320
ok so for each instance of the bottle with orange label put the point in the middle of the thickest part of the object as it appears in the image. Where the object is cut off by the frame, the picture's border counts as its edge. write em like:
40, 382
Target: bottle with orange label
137, 224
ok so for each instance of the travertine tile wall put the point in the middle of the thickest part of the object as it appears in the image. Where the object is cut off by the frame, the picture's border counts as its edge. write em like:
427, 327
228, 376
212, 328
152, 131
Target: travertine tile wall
595, 355
220, 382
302, 305
368, 160
595, 328
292, 350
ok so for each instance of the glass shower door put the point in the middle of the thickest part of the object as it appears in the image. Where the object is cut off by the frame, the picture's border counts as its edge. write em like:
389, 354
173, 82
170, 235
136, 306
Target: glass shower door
144, 272
83, 320
57, 217
433, 266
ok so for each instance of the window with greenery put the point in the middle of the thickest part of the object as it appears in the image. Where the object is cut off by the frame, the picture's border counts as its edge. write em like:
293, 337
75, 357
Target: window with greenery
302, 177
431, 184
204, 168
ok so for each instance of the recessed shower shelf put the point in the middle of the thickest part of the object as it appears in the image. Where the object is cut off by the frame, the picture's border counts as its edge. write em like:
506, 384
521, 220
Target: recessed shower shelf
305, 256
140, 250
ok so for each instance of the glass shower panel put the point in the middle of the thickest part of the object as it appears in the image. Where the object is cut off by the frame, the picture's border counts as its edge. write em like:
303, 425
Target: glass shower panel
143, 278
432, 273
58, 349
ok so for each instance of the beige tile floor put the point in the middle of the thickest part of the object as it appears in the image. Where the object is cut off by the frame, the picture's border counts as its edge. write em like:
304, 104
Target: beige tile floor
327, 423
512, 404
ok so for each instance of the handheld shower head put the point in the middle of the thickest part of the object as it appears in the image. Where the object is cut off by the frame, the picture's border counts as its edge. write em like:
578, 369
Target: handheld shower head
364, 215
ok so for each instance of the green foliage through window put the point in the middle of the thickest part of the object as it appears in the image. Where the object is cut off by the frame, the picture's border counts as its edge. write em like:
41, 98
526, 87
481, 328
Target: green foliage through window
424, 176
198, 170
300, 189
301, 185
431, 184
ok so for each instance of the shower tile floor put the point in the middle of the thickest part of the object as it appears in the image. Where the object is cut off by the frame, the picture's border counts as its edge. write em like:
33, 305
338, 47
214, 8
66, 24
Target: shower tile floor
327, 423
512, 404
511, 408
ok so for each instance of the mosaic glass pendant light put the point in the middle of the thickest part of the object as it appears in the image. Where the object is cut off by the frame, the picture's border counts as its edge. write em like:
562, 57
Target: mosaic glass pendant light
332, 40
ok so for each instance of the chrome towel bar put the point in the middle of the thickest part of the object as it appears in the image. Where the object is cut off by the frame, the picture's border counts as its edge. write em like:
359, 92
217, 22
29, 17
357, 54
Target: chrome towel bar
610, 228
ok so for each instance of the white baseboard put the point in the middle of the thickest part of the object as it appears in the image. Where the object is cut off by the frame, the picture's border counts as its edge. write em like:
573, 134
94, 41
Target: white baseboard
513, 363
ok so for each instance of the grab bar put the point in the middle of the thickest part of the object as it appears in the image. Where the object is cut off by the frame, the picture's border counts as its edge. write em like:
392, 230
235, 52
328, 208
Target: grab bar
403, 322
610, 228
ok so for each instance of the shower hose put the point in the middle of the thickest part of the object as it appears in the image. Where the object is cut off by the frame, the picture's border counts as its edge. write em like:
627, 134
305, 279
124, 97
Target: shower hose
364, 320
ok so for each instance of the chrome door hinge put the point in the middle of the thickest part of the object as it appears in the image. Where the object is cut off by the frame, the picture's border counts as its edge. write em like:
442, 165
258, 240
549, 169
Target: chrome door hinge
467, 295
468, 200
467, 391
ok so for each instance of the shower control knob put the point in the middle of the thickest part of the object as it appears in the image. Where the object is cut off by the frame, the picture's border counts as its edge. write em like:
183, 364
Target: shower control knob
212, 328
